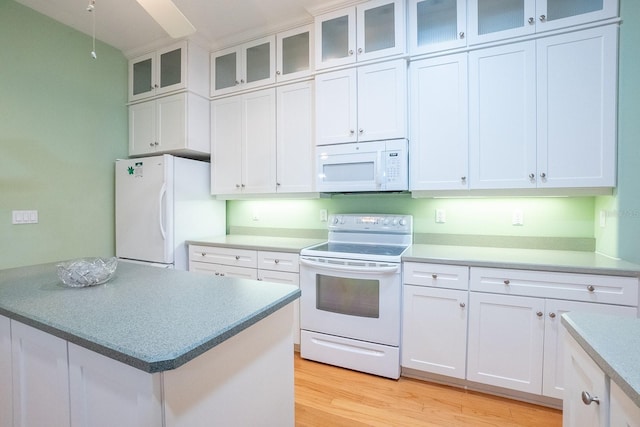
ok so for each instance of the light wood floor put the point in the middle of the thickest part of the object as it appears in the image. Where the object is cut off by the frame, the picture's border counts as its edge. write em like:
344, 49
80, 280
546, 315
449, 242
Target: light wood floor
330, 396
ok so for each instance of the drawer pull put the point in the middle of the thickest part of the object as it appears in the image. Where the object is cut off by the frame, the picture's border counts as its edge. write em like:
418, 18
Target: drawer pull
434, 276
539, 314
237, 257
277, 261
462, 305
591, 288
507, 282
203, 254
552, 315
217, 274
587, 399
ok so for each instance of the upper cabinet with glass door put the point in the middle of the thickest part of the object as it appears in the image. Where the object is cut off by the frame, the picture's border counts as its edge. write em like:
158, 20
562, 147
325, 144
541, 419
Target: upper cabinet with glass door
176, 67
370, 30
491, 20
243, 67
294, 52
436, 25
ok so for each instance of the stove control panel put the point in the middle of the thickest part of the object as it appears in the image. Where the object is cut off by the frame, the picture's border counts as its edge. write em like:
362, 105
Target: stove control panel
374, 223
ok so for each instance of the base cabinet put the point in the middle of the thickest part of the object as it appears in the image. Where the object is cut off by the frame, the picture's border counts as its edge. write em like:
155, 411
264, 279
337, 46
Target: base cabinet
41, 378
623, 412
6, 385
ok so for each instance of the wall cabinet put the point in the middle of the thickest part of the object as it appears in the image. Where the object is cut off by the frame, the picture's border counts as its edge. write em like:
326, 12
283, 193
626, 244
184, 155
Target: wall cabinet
41, 378
522, 139
369, 30
268, 266
436, 25
6, 385
362, 104
435, 295
175, 124
243, 143
490, 20
295, 147
294, 53
439, 138
514, 340
245, 66
176, 67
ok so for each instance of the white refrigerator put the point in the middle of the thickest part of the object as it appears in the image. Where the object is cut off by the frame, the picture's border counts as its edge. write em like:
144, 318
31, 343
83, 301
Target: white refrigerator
161, 202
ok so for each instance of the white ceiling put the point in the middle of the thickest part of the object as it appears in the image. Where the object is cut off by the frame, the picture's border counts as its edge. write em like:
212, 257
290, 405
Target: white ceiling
125, 25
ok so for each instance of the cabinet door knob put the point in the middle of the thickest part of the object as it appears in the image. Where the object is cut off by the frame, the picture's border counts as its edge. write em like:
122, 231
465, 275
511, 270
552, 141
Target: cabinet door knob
543, 175
552, 315
591, 288
237, 185
277, 184
543, 18
587, 399
156, 86
463, 178
151, 144
277, 261
351, 131
350, 51
434, 276
217, 274
539, 314
242, 185
237, 257
360, 131
462, 305
278, 73
507, 282
237, 82
241, 80
532, 176
203, 254
531, 20
360, 50
461, 34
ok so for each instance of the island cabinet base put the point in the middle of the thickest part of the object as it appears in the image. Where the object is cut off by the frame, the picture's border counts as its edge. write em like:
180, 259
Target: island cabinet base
246, 380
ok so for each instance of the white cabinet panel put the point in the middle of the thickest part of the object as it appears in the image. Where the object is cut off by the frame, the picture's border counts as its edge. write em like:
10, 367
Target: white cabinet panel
6, 385
622, 409
439, 138
336, 107
41, 372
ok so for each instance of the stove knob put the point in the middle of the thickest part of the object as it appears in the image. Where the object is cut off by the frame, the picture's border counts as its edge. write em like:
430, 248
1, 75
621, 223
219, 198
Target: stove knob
386, 221
395, 221
336, 220
403, 222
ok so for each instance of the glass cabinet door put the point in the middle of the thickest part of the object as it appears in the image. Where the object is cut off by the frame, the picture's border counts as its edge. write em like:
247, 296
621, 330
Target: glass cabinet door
552, 14
294, 53
336, 38
171, 68
380, 29
437, 25
497, 19
141, 77
225, 71
259, 62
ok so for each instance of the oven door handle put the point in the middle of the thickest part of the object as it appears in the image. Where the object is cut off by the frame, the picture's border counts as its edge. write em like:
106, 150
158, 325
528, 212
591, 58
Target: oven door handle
349, 269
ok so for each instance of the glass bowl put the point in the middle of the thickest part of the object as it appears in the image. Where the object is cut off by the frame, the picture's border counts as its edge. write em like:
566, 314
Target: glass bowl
87, 271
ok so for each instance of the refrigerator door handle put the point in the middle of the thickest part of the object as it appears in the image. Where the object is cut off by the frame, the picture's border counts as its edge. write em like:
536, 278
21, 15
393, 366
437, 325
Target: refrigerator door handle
163, 193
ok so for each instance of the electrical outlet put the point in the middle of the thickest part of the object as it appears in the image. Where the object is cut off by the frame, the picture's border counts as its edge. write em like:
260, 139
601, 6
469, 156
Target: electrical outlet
24, 217
255, 216
441, 216
517, 217
603, 218
323, 215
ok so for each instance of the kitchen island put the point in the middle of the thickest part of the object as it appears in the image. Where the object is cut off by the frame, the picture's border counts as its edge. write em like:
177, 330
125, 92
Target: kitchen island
151, 347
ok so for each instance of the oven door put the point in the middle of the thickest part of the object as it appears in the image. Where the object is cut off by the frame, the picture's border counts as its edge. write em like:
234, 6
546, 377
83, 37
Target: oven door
351, 299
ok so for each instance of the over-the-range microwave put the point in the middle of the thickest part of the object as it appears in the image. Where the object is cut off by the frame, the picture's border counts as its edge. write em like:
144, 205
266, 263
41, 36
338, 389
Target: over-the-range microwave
363, 166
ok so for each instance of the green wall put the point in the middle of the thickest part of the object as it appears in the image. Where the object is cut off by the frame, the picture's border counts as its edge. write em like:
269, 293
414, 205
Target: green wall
63, 122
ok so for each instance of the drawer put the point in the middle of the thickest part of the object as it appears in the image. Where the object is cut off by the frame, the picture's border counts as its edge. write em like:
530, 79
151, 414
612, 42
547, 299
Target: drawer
436, 275
279, 277
278, 261
223, 270
226, 256
570, 286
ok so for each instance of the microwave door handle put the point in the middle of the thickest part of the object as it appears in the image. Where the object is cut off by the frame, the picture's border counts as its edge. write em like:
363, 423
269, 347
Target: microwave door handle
350, 269
380, 171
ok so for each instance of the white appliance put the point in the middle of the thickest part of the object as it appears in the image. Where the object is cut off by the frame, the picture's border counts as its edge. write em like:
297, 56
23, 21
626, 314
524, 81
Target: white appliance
363, 166
161, 202
351, 293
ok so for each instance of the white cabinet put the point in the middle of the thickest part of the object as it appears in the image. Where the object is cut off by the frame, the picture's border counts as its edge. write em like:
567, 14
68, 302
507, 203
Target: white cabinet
295, 138
243, 143
6, 385
436, 25
623, 412
369, 30
576, 108
176, 67
490, 20
246, 66
435, 295
41, 378
267, 266
105, 392
514, 325
586, 400
175, 124
363, 104
294, 53
439, 139
528, 119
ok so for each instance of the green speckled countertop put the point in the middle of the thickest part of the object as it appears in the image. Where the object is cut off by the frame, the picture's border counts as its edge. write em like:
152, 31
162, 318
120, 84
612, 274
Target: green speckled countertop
613, 343
151, 318
529, 259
